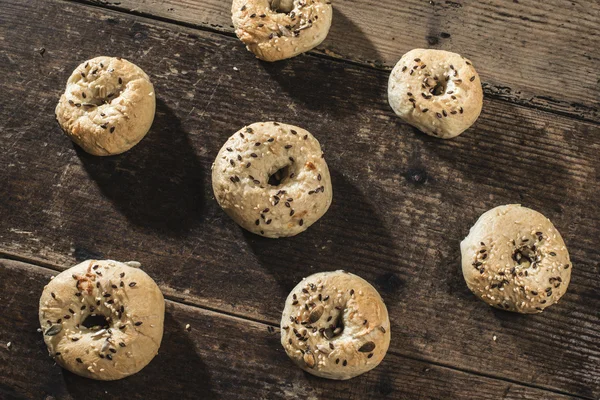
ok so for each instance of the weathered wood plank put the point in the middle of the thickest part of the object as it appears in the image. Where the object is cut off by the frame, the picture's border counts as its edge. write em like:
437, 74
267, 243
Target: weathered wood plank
402, 200
220, 357
539, 53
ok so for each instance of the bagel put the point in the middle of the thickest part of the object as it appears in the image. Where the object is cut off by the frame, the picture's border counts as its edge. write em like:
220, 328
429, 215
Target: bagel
335, 325
436, 91
515, 259
272, 179
102, 319
277, 29
108, 106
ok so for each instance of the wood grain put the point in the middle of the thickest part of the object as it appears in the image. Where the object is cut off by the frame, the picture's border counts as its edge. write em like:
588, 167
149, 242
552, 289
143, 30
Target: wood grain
538, 53
219, 357
402, 200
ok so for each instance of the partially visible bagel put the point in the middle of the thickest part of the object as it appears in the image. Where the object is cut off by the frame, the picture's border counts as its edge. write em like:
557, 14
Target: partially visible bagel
335, 325
515, 259
436, 91
272, 179
127, 307
108, 106
278, 29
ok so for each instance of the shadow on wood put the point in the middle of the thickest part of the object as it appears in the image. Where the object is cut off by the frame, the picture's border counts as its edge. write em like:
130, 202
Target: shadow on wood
158, 184
350, 236
309, 80
177, 364
343, 26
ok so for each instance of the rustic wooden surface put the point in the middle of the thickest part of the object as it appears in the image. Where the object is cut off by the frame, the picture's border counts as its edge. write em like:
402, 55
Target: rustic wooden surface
219, 357
402, 203
540, 53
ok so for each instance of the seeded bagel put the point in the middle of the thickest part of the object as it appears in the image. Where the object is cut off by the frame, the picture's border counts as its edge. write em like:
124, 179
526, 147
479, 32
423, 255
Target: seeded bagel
515, 259
108, 106
278, 29
272, 179
102, 319
335, 325
436, 91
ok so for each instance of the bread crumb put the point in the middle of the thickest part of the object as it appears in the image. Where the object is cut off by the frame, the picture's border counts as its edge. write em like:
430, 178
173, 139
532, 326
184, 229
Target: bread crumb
494, 338
235, 69
188, 327
8, 345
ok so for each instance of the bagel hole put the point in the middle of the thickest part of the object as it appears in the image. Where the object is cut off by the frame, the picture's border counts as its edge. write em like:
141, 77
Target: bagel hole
339, 324
104, 95
282, 6
279, 176
96, 322
336, 328
526, 256
439, 88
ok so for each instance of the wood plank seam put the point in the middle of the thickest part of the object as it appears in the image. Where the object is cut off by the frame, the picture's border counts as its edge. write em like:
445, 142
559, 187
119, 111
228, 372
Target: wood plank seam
52, 268
490, 91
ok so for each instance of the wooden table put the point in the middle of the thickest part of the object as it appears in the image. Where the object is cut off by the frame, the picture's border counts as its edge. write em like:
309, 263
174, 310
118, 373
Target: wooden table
402, 200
